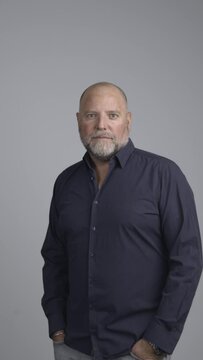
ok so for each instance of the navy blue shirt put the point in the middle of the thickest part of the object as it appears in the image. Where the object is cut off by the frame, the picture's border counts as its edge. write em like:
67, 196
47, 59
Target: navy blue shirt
121, 262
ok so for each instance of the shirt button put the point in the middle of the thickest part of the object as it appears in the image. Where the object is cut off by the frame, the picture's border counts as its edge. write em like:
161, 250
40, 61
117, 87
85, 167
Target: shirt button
93, 228
91, 254
92, 178
96, 202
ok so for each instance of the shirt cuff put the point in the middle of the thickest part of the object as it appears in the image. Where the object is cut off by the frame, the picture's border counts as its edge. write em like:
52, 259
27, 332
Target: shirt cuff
164, 338
56, 322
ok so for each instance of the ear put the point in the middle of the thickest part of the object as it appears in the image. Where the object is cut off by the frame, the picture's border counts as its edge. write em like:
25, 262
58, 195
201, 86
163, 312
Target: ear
129, 119
78, 117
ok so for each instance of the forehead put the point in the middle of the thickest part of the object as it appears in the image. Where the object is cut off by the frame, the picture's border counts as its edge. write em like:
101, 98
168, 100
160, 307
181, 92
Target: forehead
103, 95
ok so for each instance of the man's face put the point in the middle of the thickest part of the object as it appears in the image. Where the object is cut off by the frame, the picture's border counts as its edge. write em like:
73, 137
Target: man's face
103, 121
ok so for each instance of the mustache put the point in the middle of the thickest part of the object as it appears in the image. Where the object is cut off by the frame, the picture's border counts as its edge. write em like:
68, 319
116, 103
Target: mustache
102, 134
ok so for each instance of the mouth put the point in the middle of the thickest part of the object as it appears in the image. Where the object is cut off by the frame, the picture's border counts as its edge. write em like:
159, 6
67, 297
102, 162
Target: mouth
102, 137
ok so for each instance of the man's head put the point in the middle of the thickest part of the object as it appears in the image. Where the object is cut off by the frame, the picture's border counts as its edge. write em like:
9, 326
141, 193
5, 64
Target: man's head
103, 120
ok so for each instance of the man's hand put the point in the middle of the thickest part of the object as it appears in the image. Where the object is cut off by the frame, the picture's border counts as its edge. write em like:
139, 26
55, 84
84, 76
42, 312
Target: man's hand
58, 336
142, 350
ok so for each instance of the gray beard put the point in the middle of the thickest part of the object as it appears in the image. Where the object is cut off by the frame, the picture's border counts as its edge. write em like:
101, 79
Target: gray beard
101, 150
101, 153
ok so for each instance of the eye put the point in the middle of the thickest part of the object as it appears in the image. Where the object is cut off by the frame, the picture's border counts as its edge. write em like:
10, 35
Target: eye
113, 116
91, 115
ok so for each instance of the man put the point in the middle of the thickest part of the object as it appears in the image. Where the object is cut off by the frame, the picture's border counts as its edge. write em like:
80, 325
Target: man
123, 252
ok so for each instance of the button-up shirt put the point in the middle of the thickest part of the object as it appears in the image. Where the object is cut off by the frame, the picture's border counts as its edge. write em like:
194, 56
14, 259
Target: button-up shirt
122, 261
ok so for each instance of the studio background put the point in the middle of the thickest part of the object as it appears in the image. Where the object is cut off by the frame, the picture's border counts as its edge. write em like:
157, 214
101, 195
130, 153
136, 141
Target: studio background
50, 51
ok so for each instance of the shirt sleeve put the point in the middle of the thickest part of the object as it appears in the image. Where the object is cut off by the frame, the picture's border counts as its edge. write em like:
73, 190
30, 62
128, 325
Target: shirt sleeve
55, 274
181, 235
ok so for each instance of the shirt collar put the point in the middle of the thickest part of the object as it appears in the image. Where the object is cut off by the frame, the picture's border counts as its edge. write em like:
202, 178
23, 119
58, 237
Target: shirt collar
122, 155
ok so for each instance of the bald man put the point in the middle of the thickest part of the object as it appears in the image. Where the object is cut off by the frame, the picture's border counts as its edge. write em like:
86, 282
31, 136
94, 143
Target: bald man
122, 252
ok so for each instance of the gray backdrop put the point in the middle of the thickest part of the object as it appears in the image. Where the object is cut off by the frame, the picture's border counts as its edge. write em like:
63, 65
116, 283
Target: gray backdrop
49, 52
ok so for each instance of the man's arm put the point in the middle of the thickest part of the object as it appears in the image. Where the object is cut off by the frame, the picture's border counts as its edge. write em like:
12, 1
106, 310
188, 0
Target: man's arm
181, 235
55, 275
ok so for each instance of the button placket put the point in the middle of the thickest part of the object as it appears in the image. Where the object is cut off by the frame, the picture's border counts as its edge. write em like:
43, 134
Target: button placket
91, 277
92, 281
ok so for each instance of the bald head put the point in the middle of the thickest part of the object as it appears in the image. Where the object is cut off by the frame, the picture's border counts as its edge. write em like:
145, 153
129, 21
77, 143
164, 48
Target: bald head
102, 84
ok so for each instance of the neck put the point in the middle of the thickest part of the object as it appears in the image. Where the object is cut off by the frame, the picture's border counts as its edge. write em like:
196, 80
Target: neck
101, 169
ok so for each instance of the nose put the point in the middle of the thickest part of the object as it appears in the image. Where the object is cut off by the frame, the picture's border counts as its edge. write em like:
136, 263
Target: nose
101, 122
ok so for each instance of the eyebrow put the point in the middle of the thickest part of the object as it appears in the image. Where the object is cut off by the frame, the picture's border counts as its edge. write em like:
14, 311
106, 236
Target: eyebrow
107, 111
